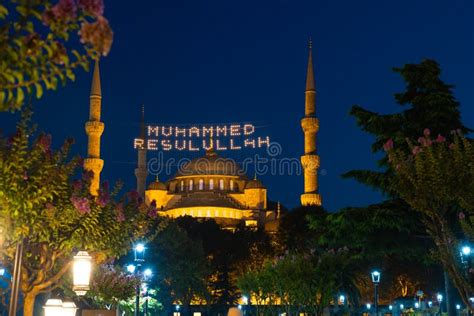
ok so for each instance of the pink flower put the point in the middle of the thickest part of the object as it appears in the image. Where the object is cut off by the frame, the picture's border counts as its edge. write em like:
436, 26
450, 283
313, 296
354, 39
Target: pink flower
44, 141
63, 11
103, 199
81, 204
461, 216
416, 150
440, 139
92, 7
426, 132
98, 34
388, 145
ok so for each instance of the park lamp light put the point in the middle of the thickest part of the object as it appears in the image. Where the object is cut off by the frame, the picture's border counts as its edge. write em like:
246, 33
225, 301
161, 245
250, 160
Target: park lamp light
245, 300
368, 305
402, 306
53, 307
390, 307
430, 304
69, 308
375, 277
458, 307
147, 274
139, 252
439, 297
177, 307
342, 299
131, 268
466, 250
417, 305
82, 267
2, 272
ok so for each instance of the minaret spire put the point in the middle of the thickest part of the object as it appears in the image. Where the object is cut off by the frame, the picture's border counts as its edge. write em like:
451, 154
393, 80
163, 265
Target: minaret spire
310, 125
94, 129
141, 172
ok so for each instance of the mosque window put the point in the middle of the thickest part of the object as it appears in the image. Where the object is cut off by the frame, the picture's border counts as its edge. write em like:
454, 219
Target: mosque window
221, 184
201, 184
191, 184
211, 184
231, 185
181, 186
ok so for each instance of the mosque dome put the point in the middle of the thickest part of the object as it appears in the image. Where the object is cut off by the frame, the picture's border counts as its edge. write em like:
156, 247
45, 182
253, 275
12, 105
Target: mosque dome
210, 164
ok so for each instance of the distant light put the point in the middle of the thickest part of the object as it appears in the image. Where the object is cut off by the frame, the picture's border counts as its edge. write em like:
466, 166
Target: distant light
390, 307
140, 248
147, 273
439, 297
177, 307
131, 268
466, 250
430, 304
342, 299
2, 272
240, 306
402, 306
368, 305
458, 307
245, 299
471, 299
417, 305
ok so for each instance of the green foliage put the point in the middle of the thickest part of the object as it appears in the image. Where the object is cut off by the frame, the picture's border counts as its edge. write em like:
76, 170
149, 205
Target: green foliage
437, 180
298, 283
42, 204
38, 49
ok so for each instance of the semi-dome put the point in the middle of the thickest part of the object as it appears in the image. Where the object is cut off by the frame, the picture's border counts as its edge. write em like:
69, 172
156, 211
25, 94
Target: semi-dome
254, 184
157, 185
210, 164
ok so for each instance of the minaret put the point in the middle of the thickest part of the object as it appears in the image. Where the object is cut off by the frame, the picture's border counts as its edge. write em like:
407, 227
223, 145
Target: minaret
141, 172
310, 125
94, 129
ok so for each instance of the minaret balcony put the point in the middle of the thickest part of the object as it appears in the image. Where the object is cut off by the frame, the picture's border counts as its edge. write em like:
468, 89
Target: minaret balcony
310, 124
94, 128
310, 162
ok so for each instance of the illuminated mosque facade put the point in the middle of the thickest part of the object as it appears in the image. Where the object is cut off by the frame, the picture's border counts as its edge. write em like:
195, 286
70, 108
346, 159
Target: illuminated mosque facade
211, 186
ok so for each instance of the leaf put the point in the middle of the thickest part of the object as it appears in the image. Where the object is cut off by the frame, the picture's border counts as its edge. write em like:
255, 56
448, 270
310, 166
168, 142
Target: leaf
39, 90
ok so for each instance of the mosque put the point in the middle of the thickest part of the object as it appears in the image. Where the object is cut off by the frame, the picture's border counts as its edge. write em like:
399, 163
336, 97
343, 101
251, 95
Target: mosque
211, 186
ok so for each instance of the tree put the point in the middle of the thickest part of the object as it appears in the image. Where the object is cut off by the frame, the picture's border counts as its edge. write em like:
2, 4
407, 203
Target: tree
39, 49
182, 268
437, 180
110, 285
427, 102
43, 205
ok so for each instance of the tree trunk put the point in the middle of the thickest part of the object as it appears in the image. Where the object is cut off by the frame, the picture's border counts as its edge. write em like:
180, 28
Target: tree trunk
29, 304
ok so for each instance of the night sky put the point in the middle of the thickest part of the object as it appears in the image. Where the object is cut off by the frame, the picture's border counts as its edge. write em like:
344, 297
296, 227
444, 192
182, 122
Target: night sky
245, 61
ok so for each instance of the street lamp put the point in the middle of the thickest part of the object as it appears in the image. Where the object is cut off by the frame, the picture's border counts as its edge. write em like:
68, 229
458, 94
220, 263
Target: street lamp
430, 304
368, 305
56, 307
139, 251
342, 299
82, 267
439, 297
69, 308
131, 268
376, 280
53, 307
146, 275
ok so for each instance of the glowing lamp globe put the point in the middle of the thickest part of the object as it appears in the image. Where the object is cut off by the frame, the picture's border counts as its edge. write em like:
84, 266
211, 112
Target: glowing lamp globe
53, 307
131, 268
390, 307
458, 307
417, 305
402, 306
439, 297
245, 300
368, 305
69, 309
342, 299
82, 267
430, 304
147, 273
375, 277
466, 250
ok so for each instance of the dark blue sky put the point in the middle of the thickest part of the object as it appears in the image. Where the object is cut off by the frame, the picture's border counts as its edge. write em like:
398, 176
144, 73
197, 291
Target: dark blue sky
230, 61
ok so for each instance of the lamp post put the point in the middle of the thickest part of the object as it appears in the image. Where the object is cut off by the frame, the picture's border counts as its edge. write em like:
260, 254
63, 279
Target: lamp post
147, 275
439, 297
56, 307
139, 251
376, 280
82, 267
15, 287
